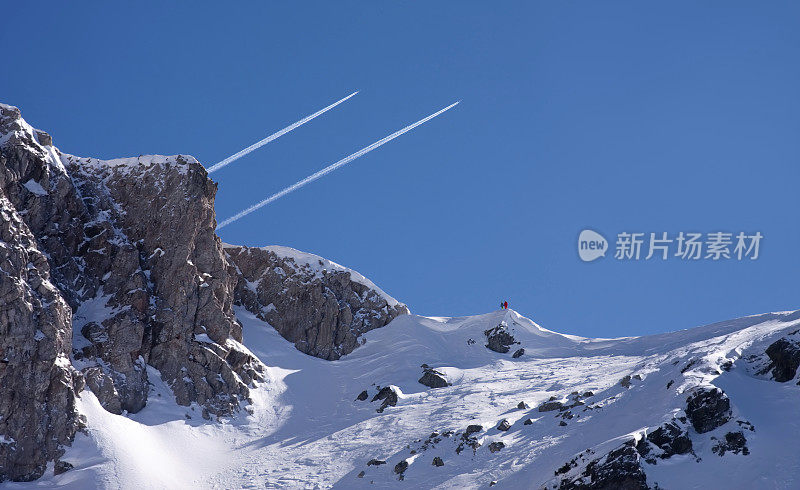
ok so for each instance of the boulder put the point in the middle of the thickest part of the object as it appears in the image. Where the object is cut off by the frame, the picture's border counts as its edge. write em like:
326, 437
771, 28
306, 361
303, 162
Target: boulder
437, 461
433, 379
496, 446
498, 339
504, 425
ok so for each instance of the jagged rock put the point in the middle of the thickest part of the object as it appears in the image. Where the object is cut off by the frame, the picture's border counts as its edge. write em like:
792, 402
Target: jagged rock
498, 339
518, 353
551, 405
61, 467
619, 469
625, 382
528, 422
362, 396
784, 355
504, 425
375, 462
496, 446
433, 379
707, 409
401, 467
472, 429
38, 385
735, 442
102, 386
389, 397
437, 461
522, 406
127, 250
361, 474
316, 304
562, 424
669, 439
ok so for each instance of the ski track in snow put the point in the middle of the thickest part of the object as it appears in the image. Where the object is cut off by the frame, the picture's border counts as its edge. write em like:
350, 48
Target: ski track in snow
307, 431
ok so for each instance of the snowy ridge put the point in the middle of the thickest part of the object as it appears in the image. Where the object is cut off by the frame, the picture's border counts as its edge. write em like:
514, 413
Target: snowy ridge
306, 428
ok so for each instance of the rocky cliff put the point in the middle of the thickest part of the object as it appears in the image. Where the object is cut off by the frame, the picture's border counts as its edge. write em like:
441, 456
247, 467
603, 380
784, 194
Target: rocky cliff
317, 304
111, 272
120, 257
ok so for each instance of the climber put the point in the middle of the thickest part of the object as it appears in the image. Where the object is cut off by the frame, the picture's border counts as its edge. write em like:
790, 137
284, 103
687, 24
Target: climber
505, 305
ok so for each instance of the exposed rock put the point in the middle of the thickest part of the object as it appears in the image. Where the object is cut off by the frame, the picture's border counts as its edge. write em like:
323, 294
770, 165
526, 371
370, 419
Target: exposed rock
61, 467
401, 467
518, 353
551, 405
562, 424
433, 379
522, 406
472, 429
127, 250
784, 355
496, 446
316, 304
528, 422
38, 385
625, 382
362, 396
619, 469
498, 339
504, 425
102, 386
707, 409
375, 462
389, 397
664, 442
735, 442
361, 474
437, 461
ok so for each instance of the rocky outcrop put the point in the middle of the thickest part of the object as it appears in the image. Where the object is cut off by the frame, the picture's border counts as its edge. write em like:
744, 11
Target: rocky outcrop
784, 356
664, 442
620, 469
499, 339
708, 408
124, 253
314, 303
734, 442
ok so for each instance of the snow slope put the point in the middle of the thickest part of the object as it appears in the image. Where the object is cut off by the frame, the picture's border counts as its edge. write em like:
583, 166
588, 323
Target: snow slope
305, 428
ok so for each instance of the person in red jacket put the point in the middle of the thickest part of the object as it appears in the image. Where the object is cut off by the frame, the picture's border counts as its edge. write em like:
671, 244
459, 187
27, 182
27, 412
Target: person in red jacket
505, 305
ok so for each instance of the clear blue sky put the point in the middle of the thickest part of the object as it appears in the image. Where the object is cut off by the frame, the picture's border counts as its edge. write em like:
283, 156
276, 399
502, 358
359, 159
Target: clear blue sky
618, 116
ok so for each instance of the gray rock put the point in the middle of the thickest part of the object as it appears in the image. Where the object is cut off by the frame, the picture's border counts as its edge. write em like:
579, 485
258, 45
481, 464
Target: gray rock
102, 385
321, 309
137, 239
61, 467
518, 353
389, 397
784, 355
496, 446
498, 339
433, 379
707, 409
619, 469
504, 425
437, 461
735, 442
362, 396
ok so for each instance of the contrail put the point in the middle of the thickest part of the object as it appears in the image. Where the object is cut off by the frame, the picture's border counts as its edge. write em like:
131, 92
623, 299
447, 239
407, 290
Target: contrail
331, 168
274, 136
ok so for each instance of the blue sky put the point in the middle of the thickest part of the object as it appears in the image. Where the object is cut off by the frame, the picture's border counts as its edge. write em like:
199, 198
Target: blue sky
614, 116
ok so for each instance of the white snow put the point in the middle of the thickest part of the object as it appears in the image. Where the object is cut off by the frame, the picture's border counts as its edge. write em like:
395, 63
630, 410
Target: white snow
306, 430
35, 187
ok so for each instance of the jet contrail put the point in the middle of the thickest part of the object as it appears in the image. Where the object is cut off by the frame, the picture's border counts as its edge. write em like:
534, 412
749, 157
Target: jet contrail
274, 136
330, 168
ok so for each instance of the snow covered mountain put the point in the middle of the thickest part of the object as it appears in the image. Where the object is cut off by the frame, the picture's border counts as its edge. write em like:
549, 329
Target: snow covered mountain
138, 351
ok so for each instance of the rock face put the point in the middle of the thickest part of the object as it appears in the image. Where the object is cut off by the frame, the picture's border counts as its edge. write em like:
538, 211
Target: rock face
499, 339
316, 304
115, 263
37, 383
